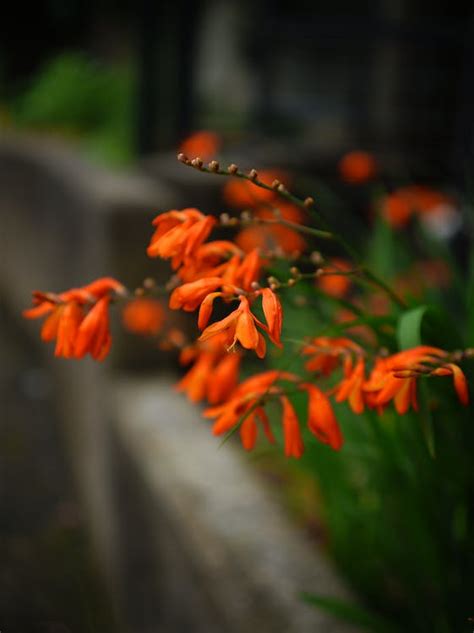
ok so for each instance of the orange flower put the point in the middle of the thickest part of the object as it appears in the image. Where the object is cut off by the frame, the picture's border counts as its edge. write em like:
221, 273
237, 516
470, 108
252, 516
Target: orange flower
178, 234
189, 296
75, 330
66, 318
243, 194
93, 335
239, 326
202, 143
329, 352
357, 167
245, 406
244, 403
394, 378
209, 260
214, 373
143, 316
334, 284
321, 419
351, 387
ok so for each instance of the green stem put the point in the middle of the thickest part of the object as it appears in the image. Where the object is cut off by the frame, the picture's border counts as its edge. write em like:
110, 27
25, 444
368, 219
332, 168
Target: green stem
326, 233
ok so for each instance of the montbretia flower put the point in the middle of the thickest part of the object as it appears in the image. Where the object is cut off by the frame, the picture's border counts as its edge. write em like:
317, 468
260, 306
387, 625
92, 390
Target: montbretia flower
78, 318
245, 407
394, 378
178, 234
327, 353
93, 335
209, 260
214, 373
241, 324
189, 296
321, 419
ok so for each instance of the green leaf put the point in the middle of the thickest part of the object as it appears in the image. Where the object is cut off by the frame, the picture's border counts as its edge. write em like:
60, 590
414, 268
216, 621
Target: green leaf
427, 325
409, 327
354, 614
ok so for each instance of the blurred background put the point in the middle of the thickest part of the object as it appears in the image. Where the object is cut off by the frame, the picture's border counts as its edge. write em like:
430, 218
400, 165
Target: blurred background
95, 100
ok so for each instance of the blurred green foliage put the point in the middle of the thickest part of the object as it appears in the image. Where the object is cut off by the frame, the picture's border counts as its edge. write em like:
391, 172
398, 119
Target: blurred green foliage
395, 507
81, 99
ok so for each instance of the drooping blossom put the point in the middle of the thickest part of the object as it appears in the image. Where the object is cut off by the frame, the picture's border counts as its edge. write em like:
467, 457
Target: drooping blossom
240, 326
246, 404
214, 373
178, 234
394, 378
328, 354
77, 319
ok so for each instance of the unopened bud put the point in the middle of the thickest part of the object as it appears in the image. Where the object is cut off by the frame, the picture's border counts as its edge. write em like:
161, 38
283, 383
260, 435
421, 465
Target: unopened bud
233, 221
318, 273
149, 283
197, 162
273, 287
213, 166
246, 216
316, 257
255, 285
275, 184
291, 282
253, 174
224, 218
232, 169
139, 292
308, 202
182, 158
281, 188
295, 272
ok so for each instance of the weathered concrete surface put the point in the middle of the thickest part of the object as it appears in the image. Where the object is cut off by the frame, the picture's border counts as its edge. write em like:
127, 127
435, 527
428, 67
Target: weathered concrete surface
248, 561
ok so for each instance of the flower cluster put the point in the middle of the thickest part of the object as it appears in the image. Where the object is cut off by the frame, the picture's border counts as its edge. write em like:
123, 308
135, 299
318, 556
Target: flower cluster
77, 319
226, 283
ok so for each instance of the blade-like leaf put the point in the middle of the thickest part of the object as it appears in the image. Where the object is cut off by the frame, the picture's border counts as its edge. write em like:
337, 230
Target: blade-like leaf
354, 614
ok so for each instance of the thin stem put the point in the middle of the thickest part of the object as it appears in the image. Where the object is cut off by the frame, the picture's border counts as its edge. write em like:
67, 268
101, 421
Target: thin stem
307, 205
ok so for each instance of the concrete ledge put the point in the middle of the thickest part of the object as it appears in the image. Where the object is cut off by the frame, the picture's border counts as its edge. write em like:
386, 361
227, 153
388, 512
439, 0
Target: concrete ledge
247, 556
